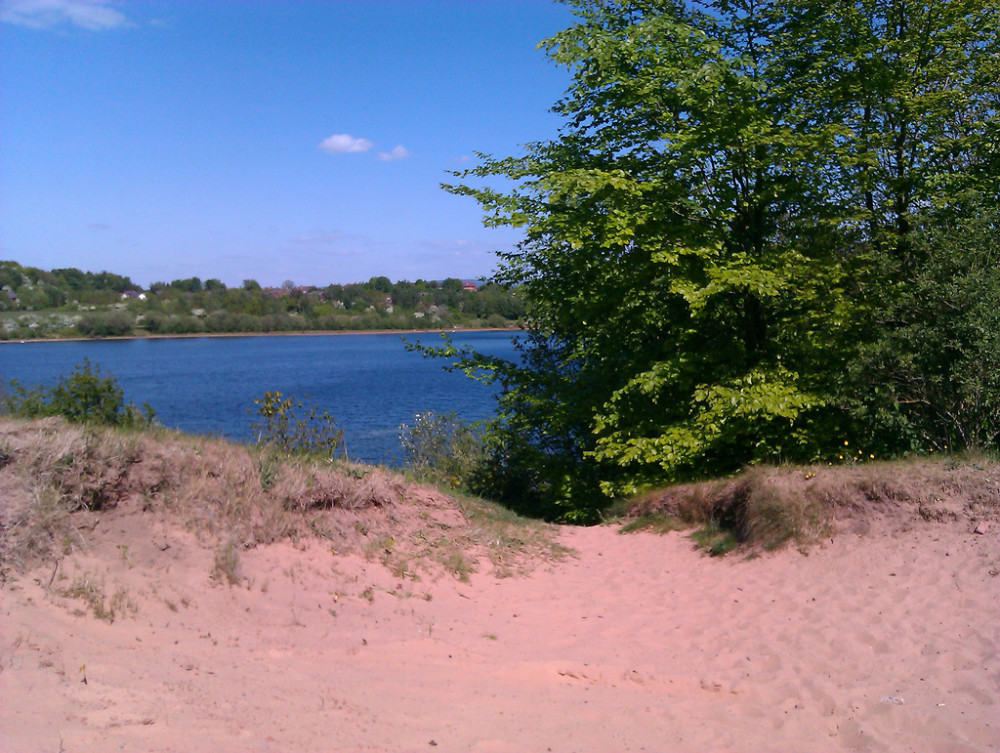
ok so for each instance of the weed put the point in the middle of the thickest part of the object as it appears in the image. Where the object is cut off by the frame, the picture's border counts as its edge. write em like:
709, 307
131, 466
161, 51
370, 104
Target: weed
88, 589
458, 565
227, 563
400, 568
714, 540
267, 471
290, 425
122, 602
656, 523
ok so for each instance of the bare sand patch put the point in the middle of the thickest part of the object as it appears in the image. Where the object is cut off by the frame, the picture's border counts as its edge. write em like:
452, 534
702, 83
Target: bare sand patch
882, 639
637, 643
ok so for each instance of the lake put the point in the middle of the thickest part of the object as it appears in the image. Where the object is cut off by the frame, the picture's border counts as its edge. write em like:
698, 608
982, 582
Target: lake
369, 383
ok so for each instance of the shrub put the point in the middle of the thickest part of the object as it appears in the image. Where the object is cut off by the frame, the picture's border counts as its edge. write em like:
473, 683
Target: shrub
111, 324
83, 396
444, 449
292, 426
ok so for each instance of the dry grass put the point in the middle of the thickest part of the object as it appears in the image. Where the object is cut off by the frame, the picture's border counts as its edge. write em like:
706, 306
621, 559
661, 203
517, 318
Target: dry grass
58, 480
766, 507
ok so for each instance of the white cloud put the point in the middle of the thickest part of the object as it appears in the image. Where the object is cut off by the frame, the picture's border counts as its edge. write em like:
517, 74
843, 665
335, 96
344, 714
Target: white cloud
94, 15
341, 143
398, 152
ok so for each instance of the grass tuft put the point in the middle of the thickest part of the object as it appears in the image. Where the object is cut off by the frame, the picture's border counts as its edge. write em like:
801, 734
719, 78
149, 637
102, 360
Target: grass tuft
226, 566
765, 508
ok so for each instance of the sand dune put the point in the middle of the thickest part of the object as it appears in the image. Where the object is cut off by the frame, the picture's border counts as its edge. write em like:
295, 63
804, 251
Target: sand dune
882, 642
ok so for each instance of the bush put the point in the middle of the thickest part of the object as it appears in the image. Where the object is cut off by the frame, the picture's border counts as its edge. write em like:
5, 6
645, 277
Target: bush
83, 396
444, 449
111, 324
290, 425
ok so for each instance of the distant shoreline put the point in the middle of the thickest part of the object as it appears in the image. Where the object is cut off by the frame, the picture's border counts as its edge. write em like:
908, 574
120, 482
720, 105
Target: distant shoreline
190, 335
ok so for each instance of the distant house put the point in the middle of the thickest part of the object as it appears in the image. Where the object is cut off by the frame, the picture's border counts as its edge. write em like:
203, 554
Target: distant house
468, 285
133, 294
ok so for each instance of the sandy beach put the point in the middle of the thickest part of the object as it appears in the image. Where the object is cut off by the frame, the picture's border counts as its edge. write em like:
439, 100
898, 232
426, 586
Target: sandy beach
886, 641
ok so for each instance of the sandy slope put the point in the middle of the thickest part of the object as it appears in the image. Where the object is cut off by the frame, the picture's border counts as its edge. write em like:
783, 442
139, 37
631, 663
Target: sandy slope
887, 642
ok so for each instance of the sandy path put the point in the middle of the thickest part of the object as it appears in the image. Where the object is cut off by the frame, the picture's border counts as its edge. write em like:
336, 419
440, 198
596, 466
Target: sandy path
882, 643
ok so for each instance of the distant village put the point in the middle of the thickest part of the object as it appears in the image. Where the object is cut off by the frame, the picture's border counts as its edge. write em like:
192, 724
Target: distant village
63, 303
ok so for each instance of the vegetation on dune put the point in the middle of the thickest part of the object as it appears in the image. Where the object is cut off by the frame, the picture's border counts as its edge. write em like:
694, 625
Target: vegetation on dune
70, 303
768, 507
76, 451
765, 228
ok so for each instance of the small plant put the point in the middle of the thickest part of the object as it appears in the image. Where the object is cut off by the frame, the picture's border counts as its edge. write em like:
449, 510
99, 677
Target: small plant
122, 603
458, 565
656, 523
267, 469
715, 540
90, 591
292, 426
227, 563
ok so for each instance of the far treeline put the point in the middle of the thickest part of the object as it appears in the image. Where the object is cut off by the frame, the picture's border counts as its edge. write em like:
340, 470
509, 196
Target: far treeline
767, 233
36, 303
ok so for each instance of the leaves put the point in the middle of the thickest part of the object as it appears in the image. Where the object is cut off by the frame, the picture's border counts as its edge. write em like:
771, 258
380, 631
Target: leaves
704, 240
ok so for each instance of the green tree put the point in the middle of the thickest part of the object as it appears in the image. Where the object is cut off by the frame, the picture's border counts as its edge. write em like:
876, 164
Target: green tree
187, 285
690, 264
930, 378
214, 285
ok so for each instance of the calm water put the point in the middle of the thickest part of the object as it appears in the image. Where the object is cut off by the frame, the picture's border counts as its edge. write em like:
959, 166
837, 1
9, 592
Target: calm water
369, 383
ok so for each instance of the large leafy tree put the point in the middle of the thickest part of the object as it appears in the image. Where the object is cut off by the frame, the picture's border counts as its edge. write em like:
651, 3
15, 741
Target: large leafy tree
699, 239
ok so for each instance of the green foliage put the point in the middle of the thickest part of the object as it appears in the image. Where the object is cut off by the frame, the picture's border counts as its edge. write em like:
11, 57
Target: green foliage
292, 426
95, 307
714, 540
83, 396
930, 379
110, 324
701, 241
444, 449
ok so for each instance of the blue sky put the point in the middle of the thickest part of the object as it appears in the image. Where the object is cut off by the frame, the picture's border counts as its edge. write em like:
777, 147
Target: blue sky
272, 139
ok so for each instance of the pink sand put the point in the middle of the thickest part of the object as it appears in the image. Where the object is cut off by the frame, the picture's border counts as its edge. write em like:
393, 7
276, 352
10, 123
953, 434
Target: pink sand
887, 642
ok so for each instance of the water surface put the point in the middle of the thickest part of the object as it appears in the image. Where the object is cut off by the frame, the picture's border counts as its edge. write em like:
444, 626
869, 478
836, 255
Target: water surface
369, 383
